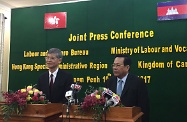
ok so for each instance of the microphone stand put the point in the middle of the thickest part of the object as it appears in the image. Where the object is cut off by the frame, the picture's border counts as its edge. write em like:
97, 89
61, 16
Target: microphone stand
105, 107
67, 111
70, 101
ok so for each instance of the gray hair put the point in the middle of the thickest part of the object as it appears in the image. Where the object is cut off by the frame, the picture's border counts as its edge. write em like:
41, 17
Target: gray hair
56, 51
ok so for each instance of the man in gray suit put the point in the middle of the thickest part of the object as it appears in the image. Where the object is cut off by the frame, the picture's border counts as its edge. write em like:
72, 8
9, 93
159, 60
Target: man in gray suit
55, 82
131, 89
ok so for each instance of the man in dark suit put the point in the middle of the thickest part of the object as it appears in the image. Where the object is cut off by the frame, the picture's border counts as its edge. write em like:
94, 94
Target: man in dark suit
55, 82
131, 89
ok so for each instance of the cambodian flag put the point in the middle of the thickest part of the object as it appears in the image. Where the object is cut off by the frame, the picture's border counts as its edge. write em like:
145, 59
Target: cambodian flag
172, 10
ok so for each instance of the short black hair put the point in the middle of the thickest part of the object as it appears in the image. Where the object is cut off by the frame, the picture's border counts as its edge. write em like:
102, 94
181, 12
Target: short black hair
127, 60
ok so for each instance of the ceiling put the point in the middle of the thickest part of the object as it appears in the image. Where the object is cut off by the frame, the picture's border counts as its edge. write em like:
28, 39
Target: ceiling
28, 3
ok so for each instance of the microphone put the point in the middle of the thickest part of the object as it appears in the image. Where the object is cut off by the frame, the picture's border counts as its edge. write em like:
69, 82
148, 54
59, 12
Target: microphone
107, 94
113, 101
71, 94
111, 98
76, 87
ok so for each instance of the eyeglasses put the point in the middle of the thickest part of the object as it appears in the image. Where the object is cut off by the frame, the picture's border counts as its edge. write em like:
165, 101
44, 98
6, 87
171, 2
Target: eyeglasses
117, 65
50, 58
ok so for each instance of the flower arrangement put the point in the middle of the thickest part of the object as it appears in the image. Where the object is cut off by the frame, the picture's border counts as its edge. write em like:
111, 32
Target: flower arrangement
15, 102
94, 101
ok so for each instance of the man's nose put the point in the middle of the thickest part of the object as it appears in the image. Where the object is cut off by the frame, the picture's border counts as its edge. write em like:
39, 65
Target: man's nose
114, 68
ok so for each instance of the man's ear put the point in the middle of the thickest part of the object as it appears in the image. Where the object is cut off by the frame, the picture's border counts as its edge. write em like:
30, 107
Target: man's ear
60, 60
128, 67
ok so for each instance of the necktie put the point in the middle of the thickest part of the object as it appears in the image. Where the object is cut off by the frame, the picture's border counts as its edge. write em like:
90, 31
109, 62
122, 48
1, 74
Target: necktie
51, 82
119, 87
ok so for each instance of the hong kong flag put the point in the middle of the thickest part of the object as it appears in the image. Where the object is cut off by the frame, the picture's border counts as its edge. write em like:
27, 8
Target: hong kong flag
55, 20
172, 10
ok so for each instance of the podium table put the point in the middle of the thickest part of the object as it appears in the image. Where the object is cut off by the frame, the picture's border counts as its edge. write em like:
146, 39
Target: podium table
114, 114
38, 113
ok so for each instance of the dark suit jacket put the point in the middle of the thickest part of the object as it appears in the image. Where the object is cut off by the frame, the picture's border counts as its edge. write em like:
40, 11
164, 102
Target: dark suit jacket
62, 84
134, 93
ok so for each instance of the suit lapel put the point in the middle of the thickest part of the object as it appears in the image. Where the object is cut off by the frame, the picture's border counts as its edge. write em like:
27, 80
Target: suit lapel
114, 85
47, 83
